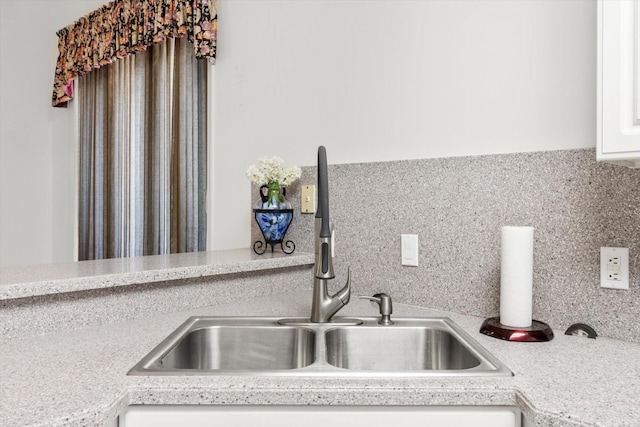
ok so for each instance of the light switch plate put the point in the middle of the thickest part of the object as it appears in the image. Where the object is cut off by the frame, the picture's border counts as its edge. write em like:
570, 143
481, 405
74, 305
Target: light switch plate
409, 249
308, 199
614, 268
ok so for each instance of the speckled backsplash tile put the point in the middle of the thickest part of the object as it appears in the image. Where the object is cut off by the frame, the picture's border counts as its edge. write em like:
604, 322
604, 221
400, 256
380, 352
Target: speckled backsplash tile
457, 206
73, 310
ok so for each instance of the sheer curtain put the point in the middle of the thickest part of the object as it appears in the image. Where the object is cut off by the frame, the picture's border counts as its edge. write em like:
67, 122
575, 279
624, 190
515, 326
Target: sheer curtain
143, 127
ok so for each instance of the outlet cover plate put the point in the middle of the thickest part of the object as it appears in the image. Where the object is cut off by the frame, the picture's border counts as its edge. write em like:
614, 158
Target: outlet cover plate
614, 268
409, 249
308, 199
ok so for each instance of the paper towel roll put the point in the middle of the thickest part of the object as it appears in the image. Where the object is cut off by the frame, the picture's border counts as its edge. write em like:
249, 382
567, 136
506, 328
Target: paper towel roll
516, 276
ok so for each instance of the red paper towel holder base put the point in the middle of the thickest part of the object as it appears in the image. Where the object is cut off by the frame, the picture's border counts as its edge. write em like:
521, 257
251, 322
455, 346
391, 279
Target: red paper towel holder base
537, 332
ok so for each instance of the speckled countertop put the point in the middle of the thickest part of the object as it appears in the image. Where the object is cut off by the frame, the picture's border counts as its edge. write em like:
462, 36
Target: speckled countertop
21, 282
78, 377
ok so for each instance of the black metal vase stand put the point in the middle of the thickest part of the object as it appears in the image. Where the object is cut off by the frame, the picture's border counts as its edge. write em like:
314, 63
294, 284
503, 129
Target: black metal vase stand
273, 224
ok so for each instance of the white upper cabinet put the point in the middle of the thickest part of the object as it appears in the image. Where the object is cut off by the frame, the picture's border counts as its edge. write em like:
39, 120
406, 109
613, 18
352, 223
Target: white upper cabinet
619, 82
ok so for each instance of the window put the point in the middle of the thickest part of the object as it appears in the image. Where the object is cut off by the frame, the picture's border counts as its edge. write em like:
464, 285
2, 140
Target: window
143, 154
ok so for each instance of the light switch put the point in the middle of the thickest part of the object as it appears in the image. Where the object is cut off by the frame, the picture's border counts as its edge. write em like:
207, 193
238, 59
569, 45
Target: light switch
308, 199
409, 249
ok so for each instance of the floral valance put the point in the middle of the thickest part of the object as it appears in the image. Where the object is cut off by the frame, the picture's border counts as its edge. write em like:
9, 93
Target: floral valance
124, 27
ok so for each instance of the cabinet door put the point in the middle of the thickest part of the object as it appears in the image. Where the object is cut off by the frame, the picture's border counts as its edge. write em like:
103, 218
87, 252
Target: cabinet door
320, 416
618, 130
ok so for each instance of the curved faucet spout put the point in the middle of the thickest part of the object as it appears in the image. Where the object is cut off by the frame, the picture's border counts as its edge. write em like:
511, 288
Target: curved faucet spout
323, 193
325, 306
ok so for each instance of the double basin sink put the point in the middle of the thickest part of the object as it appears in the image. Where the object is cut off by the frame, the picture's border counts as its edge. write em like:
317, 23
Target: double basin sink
353, 347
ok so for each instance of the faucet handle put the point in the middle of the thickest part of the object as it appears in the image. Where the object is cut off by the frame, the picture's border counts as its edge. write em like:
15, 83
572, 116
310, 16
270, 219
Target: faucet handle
386, 308
345, 293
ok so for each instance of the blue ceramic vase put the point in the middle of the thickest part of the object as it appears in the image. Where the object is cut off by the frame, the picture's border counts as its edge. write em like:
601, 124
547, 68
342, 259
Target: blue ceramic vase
273, 214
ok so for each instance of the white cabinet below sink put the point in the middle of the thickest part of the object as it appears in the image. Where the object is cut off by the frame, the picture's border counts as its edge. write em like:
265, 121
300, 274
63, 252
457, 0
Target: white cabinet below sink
320, 416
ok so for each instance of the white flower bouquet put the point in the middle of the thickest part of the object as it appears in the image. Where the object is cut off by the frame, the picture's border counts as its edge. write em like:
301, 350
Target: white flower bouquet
271, 170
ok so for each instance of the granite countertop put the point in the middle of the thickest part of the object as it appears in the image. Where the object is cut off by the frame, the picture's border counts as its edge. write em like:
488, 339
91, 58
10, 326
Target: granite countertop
78, 377
48, 279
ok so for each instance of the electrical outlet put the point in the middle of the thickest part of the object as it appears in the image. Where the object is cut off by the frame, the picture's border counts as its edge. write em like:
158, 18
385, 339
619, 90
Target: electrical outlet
614, 268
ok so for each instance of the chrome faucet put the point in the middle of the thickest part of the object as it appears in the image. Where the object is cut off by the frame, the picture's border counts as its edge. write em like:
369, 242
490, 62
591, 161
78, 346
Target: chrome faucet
324, 306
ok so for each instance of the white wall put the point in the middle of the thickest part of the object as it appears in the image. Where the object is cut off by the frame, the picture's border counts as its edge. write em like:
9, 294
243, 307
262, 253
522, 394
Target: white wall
25, 148
387, 80
37, 142
372, 80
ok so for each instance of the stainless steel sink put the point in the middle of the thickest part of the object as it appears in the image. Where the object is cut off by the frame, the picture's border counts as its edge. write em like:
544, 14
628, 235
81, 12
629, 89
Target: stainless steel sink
405, 347
242, 347
265, 346
210, 344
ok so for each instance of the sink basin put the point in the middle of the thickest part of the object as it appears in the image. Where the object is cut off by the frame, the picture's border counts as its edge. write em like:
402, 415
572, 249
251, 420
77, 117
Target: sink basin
294, 346
242, 347
231, 344
402, 348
